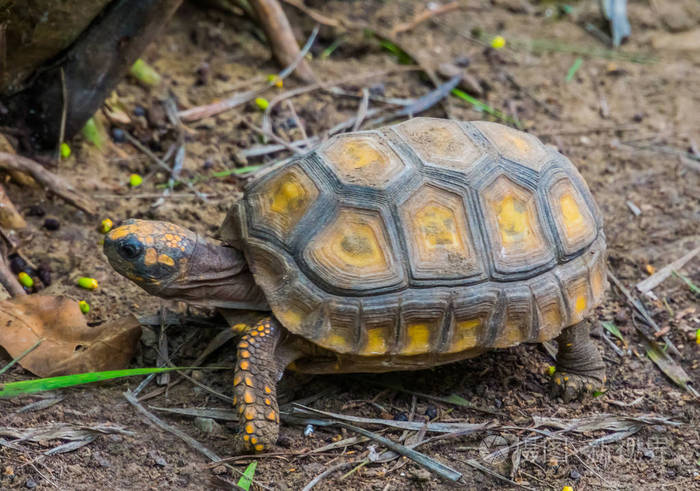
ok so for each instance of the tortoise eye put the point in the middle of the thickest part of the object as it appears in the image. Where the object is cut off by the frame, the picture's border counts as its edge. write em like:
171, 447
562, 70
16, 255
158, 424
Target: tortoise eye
129, 250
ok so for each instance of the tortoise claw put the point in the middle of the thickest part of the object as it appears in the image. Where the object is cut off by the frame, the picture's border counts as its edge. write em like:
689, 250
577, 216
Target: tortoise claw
571, 386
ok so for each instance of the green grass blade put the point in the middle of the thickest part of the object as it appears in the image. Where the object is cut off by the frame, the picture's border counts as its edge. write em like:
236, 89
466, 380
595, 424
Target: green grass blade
247, 479
481, 106
574, 68
693, 287
14, 389
614, 330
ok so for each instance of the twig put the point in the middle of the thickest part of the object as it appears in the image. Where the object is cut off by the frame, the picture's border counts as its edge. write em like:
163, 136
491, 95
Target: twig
280, 36
52, 182
64, 113
473, 463
174, 431
645, 286
9, 280
296, 119
423, 16
22, 355
328, 472
208, 110
361, 109
271, 135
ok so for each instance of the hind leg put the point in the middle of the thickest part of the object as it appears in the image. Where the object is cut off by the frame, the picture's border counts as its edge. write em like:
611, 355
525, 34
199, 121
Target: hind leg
580, 368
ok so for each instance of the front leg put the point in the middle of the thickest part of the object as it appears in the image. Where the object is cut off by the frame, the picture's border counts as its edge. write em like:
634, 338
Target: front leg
255, 386
580, 368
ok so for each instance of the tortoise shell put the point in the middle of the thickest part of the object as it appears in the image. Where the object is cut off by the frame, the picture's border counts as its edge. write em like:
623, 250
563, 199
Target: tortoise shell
431, 237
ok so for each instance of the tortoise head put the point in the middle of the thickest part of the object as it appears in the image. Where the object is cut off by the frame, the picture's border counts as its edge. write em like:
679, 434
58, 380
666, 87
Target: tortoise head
152, 254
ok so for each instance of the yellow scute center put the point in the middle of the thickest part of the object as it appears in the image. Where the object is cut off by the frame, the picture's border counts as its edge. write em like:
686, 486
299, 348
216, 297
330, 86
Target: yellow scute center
513, 220
580, 303
356, 244
574, 222
289, 196
359, 154
376, 342
436, 225
465, 335
417, 339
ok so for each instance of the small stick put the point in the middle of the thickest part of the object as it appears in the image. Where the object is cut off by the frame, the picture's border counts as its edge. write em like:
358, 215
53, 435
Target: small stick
208, 110
290, 106
423, 16
327, 472
271, 135
279, 33
51, 181
645, 286
64, 113
362, 109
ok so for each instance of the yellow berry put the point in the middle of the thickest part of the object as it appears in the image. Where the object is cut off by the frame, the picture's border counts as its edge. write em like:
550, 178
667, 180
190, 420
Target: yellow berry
262, 103
25, 279
106, 225
87, 283
84, 306
567, 488
65, 150
498, 42
275, 80
135, 180
697, 336
551, 370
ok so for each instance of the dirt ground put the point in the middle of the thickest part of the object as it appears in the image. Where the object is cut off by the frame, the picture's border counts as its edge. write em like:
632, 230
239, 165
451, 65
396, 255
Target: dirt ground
633, 129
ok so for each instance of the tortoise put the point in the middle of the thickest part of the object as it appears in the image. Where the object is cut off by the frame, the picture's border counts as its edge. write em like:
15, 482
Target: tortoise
401, 248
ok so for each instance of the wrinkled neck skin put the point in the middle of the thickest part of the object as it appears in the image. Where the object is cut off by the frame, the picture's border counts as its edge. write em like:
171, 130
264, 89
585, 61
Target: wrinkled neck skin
216, 276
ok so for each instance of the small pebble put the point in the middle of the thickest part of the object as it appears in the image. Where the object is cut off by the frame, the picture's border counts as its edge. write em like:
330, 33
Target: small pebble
31, 484
309, 430
575, 475
648, 453
139, 111
208, 164
36, 211
377, 90
462, 61
18, 264
118, 135
431, 412
52, 224
207, 425
44, 274
401, 416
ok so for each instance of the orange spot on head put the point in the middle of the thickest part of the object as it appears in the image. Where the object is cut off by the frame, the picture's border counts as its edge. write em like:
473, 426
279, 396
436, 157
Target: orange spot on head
165, 259
151, 256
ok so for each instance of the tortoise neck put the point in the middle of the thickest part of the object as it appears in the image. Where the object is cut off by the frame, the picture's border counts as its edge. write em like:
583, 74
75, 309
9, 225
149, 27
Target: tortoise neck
217, 276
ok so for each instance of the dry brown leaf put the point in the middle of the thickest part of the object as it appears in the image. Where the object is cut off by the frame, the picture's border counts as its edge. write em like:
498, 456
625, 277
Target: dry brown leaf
68, 344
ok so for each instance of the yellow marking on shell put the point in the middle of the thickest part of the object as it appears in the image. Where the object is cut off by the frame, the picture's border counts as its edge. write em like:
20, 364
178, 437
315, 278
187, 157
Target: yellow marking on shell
248, 397
465, 336
437, 227
358, 154
165, 259
271, 415
268, 390
288, 196
237, 379
376, 342
249, 413
417, 339
244, 365
512, 220
597, 281
259, 447
244, 354
151, 256
551, 322
357, 246
580, 305
249, 381
249, 428
335, 341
